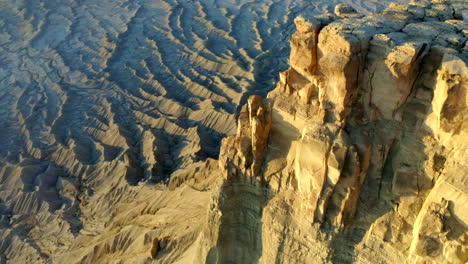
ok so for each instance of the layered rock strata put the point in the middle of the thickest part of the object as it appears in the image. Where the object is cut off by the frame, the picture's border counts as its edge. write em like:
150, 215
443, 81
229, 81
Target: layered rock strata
367, 140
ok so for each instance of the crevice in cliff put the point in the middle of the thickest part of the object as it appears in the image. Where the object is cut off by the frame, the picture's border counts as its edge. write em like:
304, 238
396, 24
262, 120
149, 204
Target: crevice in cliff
240, 232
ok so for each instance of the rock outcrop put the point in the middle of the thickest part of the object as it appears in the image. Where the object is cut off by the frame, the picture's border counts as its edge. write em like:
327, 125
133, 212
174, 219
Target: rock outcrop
243, 154
345, 11
366, 155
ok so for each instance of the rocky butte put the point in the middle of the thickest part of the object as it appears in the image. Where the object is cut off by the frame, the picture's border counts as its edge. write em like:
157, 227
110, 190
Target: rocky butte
360, 153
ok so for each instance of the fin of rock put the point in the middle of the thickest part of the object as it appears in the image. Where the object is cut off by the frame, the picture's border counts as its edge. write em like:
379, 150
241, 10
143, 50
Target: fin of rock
243, 155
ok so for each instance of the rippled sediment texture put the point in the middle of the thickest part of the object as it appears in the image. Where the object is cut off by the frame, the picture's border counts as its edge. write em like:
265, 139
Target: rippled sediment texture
98, 97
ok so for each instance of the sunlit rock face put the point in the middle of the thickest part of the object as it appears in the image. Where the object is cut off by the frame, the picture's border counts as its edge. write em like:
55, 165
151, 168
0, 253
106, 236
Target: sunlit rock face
366, 161
119, 140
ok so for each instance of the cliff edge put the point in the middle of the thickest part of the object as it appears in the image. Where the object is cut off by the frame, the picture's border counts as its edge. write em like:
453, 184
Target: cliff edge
367, 145
359, 154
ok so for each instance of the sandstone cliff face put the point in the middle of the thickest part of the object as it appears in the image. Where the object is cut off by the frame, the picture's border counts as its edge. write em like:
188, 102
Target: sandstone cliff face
367, 143
243, 155
358, 156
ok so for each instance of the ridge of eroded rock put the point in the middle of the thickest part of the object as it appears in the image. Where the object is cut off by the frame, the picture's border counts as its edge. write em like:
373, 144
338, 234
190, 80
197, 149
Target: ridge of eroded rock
367, 147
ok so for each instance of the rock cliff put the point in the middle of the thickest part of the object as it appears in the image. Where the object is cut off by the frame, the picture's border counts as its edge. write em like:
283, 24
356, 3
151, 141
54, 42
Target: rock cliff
358, 155
367, 144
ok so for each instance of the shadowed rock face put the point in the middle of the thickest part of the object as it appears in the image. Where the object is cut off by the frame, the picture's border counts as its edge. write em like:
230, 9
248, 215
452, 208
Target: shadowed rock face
112, 113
